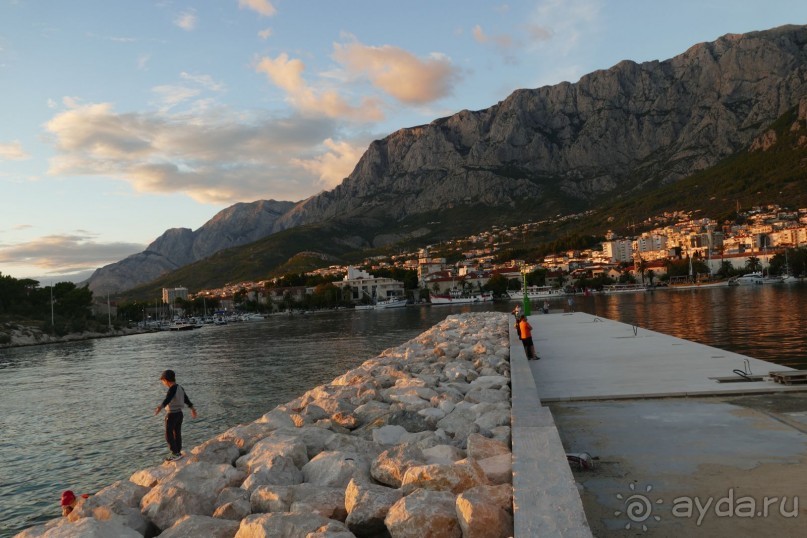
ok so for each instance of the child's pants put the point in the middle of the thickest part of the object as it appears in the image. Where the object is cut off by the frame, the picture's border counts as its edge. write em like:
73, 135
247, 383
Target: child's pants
173, 431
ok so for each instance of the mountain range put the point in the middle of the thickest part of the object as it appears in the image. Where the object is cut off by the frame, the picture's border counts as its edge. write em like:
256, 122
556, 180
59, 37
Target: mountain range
615, 134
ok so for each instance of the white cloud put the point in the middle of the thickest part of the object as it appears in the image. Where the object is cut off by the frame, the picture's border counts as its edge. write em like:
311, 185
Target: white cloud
399, 73
502, 41
266, 33
206, 81
334, 165
215, 156
12, 151
186, 20
142, 61
287, 74
262, 7
65, 256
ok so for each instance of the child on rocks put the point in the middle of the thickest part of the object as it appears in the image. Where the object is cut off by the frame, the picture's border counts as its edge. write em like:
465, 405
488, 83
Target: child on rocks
175, 400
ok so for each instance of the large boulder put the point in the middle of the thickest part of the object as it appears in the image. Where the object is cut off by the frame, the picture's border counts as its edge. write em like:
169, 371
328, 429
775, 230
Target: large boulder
244, 436
216, 451
268, 448
367, 506
88, 527
336, 469
164, 505
424, 513
455, 478
486, 512
278, 470
286, 525
481, 447
202, 526
389, 467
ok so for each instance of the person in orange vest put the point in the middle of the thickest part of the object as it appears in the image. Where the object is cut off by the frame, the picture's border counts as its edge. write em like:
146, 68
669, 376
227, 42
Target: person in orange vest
525, 333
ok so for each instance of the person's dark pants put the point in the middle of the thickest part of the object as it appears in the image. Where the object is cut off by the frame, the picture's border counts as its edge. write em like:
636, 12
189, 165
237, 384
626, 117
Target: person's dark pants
529, 347
173, 431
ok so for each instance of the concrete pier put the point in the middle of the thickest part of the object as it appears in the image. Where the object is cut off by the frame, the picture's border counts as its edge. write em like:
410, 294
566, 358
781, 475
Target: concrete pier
677, 452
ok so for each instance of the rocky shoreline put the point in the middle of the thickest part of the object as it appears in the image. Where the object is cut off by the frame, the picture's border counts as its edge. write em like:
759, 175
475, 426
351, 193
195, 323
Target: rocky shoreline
18, 335
414, 442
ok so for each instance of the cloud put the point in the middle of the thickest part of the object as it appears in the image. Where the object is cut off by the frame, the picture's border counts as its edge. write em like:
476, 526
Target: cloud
12, 151
262, 7
287, 74
216, 156
266, 33
186, 20
502, 41
142, 61
64, 255
399, 73
334, 165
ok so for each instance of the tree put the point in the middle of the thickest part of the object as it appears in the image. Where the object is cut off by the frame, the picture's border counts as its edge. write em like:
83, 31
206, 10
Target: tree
497, 284
753, 264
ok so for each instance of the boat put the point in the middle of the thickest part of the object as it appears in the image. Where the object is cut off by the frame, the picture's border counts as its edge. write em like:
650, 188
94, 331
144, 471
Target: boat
623, 288
748, 279
685, 283
252, 317
365, 306
536, 292
457, 296
391, 302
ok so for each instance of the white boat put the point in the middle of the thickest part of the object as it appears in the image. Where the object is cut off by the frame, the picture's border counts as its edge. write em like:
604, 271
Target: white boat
391, 302
365, 307
252, 317
536, 292
683, 283
623, 288
457, 296
748, 279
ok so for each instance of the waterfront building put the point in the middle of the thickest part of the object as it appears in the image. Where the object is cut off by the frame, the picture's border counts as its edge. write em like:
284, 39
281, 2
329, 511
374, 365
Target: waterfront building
170, 295
364, 286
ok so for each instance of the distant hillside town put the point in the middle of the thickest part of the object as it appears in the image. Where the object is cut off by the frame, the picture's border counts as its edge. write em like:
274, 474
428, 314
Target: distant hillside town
758, 234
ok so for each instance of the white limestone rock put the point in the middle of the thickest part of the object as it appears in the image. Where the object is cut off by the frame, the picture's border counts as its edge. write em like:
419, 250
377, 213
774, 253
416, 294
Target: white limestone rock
325, 501
455, 478
486, 512
164, 505
216, 451
244, 436
391, 465
424, 513
152, 476
208, 527
445, 454
277, 525
278, 470
498, 469
389, 435
271, 498
367, 505
336, 469
481, 447
88, 527
269, 448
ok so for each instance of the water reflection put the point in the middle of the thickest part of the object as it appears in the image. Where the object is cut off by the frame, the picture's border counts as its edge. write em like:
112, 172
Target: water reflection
78, 415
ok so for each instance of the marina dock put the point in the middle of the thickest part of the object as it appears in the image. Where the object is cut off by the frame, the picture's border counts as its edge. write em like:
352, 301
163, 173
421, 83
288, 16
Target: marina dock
686, 439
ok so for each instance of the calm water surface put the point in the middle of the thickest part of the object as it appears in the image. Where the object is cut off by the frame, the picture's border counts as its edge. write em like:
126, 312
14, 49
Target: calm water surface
79, 415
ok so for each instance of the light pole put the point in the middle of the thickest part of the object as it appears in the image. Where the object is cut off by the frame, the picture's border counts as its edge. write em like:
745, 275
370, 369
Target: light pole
526, 300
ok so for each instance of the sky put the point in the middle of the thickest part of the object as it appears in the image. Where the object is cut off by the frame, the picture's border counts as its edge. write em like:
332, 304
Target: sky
120, 119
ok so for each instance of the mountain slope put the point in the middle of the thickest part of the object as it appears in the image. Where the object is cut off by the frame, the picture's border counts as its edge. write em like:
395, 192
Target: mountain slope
559, 149
238, 224
634, 125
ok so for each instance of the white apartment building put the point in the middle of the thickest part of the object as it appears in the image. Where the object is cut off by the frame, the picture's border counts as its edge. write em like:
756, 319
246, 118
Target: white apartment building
363, 285
172, 294
650, 242
620, 250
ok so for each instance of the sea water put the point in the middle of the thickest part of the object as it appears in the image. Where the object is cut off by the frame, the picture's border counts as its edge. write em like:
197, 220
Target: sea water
80, 415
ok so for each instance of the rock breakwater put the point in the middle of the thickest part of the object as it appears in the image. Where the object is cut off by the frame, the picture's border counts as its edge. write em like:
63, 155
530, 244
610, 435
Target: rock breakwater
414, 442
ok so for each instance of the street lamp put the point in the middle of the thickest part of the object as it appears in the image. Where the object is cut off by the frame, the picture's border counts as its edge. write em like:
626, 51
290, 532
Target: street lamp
526, 300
